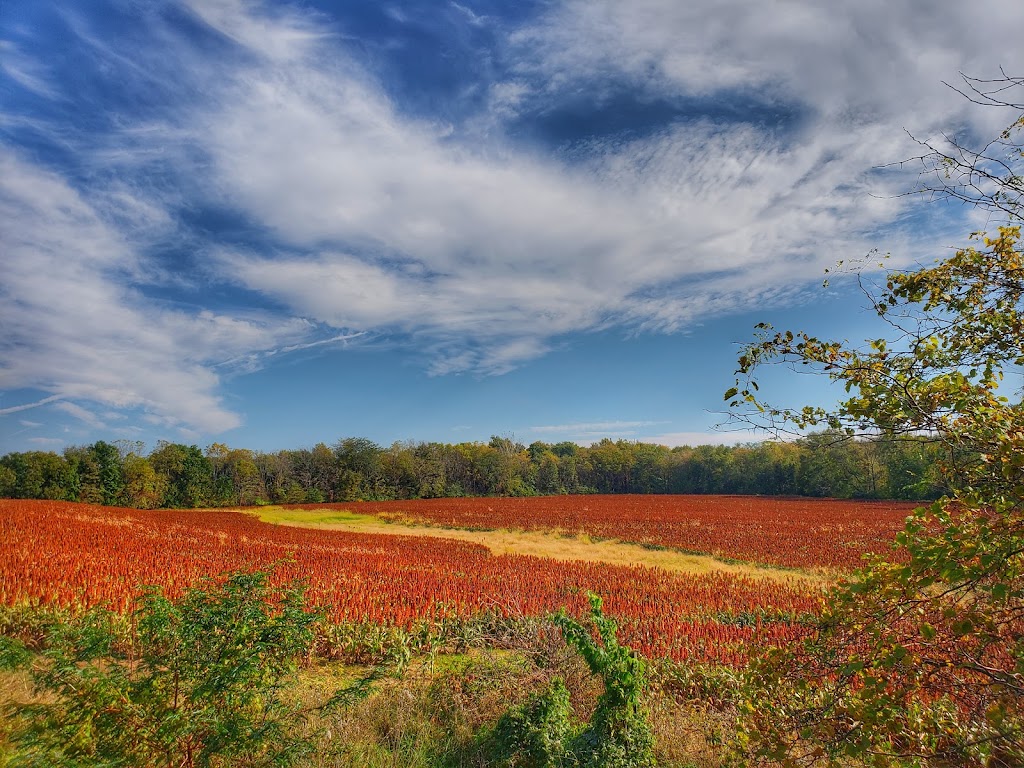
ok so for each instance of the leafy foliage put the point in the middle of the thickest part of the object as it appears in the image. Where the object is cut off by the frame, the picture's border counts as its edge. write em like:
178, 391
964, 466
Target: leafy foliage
921, 661
179, 476
535, 734
618, 733
187, 682
540, 734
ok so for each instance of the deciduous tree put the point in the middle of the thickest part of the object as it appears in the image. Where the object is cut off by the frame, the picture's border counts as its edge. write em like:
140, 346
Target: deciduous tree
921, 660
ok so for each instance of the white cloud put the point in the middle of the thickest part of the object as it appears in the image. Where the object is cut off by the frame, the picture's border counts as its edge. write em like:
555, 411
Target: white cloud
471, 17
693, 439
74, 327
279, 37
592, 427
859, 62
486, 253
27, 406
80, 413
44, 441
25, 70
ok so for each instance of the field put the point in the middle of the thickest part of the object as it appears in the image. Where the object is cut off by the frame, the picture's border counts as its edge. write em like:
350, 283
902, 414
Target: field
73, 555
786, 532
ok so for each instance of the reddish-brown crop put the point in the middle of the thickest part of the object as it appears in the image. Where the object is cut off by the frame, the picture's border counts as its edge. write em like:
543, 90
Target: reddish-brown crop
80, 555
797, 533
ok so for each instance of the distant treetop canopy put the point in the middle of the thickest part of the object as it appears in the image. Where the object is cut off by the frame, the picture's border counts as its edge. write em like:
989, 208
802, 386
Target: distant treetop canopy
175, 475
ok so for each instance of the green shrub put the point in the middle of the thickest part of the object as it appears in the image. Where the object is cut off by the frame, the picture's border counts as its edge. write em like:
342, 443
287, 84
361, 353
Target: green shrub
535, 734
539, 733
619, 733
198, 678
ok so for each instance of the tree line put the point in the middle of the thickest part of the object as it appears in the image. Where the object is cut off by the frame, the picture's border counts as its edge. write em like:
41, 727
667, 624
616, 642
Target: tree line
180, 476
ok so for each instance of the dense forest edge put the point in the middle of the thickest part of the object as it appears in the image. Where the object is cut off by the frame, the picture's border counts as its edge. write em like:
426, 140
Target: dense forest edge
173, 475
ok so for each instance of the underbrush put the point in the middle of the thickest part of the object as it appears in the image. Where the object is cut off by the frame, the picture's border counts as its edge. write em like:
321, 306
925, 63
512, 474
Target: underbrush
445, 713
237, 674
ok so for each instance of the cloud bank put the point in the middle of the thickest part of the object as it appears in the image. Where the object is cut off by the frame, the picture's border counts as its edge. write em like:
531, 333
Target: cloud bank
310, 204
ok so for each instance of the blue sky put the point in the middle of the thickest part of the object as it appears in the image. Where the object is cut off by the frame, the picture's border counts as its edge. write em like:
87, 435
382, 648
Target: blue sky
275, 224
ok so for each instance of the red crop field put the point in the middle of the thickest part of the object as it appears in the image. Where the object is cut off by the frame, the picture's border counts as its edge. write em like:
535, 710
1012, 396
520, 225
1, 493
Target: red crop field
76, 555
798, 533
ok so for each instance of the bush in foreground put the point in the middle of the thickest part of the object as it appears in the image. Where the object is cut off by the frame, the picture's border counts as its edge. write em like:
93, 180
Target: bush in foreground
187, 681
539, 733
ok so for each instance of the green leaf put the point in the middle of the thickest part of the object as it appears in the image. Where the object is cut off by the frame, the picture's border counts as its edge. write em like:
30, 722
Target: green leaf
13, 654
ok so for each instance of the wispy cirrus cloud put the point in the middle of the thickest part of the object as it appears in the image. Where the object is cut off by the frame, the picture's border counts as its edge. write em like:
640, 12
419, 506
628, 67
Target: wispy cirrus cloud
261, 189
26, 70
80, 413
693, 439
51, 442
595, 427
74, 325
28, 406
482, 248
854, 63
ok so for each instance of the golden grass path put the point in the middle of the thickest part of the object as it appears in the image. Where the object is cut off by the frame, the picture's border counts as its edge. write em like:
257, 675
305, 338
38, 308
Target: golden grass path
547, 544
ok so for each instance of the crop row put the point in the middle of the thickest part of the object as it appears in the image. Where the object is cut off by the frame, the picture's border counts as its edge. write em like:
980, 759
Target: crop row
80, 555
785, 532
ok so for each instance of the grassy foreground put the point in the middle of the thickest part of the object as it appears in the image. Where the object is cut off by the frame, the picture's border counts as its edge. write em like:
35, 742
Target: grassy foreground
227, 676
439, 713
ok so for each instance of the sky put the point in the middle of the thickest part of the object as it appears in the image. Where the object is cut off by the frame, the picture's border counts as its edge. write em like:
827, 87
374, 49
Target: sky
277, 224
